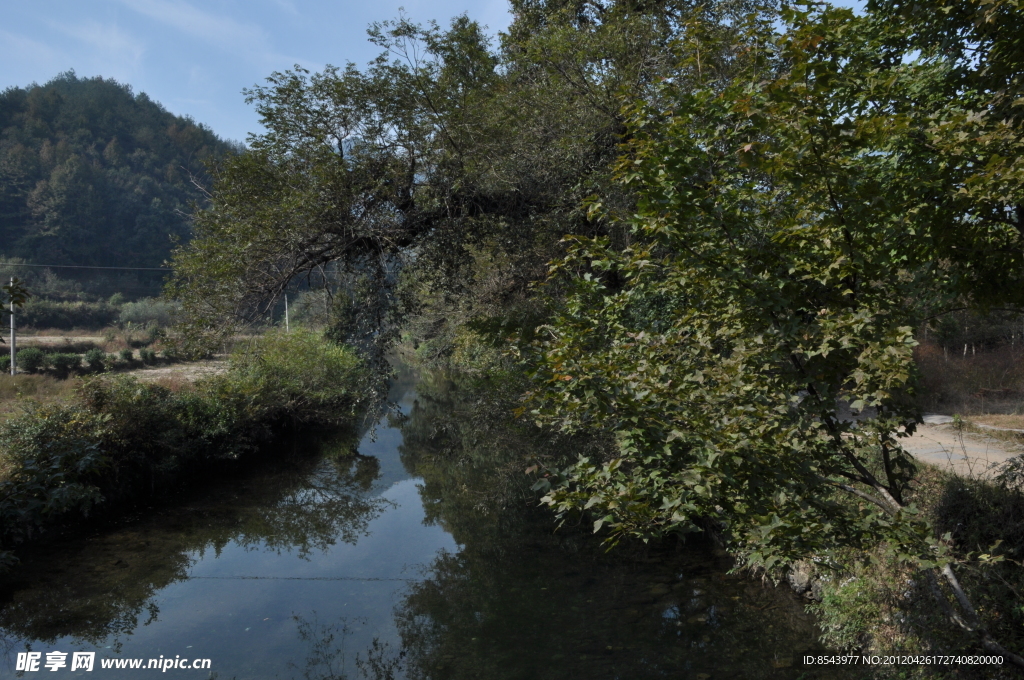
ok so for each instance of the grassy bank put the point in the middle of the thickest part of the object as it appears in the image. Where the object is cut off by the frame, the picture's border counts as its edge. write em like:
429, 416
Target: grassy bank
115, 440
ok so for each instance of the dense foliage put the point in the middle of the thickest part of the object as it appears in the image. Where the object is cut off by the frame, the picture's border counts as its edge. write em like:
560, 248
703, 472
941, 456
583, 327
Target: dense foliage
93, 174
806, 201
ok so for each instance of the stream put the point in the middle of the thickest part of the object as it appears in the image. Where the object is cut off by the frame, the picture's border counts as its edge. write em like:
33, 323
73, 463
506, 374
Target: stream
422, 557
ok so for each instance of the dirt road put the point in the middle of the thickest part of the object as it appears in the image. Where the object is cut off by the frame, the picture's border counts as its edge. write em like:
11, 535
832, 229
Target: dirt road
185, 371
938, 442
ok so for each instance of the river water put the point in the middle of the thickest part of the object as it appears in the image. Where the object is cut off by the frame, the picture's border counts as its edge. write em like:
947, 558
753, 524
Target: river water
421, 557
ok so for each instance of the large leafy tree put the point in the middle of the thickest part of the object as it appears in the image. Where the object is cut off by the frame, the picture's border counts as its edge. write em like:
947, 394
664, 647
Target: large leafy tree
462, 161
803, 206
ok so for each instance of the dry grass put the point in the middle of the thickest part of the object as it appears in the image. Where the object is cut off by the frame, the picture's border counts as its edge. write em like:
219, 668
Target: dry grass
175, 376
1007, 420
17, 391
53, 343
59, 332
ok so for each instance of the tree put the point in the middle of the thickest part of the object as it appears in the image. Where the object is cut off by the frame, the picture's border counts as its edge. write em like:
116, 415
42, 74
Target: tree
12, 294
796, 222
461, 164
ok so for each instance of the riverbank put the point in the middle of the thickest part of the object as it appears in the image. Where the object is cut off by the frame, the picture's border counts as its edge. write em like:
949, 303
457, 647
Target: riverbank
114, 439
968, 486
874, 600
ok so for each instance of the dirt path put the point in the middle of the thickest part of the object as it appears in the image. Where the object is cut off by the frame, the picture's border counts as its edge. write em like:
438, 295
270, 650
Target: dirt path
938, 442
186, 371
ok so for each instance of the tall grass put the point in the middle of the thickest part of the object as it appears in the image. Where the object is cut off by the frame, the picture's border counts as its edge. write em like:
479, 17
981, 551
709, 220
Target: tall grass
20, 391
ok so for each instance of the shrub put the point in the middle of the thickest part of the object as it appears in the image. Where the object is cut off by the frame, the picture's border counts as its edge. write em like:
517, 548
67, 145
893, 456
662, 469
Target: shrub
96, 359
5, 363
55, 455
154, 333
124, 438
31, 359
154, 433
127, 355
298, 375
43, 313
148, 311
148, 356
63, 363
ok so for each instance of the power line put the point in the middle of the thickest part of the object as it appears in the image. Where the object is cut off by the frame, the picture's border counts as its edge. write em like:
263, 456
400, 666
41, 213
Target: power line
83, 266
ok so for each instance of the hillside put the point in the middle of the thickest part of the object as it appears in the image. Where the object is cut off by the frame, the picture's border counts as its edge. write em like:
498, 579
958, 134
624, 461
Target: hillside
94, 174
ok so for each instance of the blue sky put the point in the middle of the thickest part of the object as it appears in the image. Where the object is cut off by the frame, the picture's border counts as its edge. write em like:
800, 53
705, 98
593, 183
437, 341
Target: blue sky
195, 57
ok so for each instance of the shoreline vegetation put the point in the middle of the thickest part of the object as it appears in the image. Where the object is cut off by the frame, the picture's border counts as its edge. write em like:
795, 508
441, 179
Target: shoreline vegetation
111, 440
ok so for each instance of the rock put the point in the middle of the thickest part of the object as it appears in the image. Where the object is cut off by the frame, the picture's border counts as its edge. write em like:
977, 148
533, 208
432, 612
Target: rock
799, 576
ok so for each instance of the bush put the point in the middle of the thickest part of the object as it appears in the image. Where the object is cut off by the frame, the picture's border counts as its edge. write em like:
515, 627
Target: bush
43, 313
148, 312
63, 363
148, 356
55, 456
5, 363
143, 436
96, 359
298, 375
126, 355
31, 359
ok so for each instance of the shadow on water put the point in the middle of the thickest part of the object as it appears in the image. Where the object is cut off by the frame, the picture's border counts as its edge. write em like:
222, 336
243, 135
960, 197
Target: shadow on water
424, 557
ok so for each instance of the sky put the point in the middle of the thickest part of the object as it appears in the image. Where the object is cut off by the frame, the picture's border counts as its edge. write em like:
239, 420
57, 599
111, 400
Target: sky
196, 57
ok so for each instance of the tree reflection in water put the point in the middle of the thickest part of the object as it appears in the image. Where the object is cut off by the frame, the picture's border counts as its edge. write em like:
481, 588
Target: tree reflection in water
326, 659
97, 590
520, 600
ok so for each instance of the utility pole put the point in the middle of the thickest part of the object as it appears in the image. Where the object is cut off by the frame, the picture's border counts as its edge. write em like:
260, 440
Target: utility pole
14, 351
287, 329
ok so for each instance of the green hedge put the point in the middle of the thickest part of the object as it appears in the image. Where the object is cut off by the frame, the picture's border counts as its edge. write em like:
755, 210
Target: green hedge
122, 439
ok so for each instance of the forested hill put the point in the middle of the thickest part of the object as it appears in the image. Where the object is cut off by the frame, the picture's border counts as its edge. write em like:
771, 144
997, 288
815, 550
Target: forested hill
93, 174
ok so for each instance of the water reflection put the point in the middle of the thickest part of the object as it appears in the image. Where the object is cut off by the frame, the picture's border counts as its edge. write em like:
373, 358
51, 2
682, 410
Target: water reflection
327, 658
519, 600
100, 589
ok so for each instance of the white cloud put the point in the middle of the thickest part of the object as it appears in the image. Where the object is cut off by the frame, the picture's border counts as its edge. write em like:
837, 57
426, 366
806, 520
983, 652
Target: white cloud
220, 31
